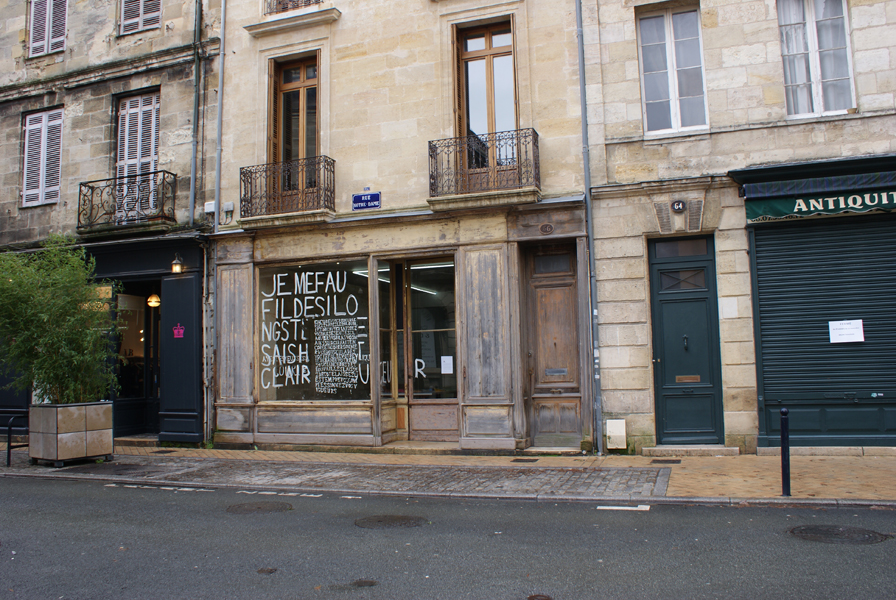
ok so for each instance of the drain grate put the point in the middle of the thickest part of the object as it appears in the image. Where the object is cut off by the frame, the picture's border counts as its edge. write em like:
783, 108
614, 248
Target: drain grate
258, 507
666, 461
835, 534
163, 451
390, 522
524, 460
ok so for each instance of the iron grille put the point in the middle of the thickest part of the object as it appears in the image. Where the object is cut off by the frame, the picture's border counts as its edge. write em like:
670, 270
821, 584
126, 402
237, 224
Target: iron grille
288, 187
481, 163
279, 6
127, 200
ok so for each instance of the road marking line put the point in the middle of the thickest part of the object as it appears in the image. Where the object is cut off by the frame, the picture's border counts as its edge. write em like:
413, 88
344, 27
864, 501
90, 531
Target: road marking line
641, 507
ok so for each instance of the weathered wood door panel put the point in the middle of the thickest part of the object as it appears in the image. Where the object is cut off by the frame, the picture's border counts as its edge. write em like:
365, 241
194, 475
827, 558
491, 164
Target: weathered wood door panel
554, 386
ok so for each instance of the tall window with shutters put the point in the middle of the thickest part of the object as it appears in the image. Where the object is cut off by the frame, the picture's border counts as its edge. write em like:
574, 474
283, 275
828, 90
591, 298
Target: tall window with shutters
139, 15
47, 27
43, 166
138, 156
815, 50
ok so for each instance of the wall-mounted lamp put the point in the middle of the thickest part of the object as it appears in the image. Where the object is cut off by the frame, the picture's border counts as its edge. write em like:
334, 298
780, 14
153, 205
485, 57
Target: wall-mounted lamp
154, 301
177, 265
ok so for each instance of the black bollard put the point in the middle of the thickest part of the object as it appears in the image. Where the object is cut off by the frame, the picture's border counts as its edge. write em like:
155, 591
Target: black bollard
785, 452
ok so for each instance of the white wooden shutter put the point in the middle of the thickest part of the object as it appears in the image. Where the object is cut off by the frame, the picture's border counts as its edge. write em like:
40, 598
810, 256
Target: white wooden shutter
43, 166
138, 143
47, 26
137, 15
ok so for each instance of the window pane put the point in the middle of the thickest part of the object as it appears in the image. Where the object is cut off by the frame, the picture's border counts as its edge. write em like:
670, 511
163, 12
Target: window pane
799, 99
477, 97
311, 72
690, 82
432, 296
687, 54
384, 286
475, 42
311, 122
386, 363
837, 95
796, 69
654, 58
435, 364
291, 125
831, 34
684, 25
692, 279
825, 9
692, 111
793, 39
790, 12
656, 87
293, 75
653, 30
658, 116
501, 39
834, 64
673, 249
505, 107
552, 263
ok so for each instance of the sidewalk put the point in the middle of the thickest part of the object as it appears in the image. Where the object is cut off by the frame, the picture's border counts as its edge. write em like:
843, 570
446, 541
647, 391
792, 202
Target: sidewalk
815, 480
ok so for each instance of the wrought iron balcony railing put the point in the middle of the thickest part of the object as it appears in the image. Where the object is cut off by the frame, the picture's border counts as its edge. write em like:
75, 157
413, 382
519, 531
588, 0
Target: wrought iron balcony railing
131, 200
483, 163
288, 187
278, 6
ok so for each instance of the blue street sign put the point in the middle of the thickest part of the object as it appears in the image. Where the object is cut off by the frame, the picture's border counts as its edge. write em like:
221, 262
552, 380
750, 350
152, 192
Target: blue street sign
368, 200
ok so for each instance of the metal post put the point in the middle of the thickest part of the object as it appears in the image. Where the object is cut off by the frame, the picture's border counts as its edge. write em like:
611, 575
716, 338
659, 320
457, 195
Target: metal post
785, 452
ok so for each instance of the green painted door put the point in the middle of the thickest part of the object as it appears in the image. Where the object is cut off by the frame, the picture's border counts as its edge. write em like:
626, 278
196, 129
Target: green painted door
686, 361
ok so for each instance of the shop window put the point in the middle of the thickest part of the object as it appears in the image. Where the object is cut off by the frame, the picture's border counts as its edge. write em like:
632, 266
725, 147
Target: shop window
47, 27
417, 297
43, 153
314, 341
815, 51
138, 15
672, 84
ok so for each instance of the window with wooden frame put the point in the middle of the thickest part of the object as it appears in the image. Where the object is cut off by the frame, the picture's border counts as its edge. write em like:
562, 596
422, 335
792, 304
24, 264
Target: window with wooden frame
138, 15
138, 156
43, 153
293, 122
486, 98
47, 27
815, 51
673, 88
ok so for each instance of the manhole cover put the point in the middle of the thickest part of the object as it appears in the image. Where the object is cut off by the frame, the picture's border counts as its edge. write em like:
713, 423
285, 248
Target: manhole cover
389, 522
259, 507
666, 461
835, 534
524, 460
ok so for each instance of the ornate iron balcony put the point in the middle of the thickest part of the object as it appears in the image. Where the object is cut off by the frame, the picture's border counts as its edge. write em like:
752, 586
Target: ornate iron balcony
483, 163
148, 197
279, 6
288, 187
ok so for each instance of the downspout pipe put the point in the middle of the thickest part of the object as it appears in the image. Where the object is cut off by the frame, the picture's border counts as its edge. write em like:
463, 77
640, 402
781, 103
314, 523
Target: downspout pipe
597, 426
219, 134
197, 81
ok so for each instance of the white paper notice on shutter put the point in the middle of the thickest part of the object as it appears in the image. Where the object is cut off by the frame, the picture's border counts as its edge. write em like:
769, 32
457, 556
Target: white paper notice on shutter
846, 331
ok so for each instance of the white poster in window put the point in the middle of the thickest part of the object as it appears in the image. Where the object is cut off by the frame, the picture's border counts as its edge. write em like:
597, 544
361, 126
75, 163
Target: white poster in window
447, 365
846, 331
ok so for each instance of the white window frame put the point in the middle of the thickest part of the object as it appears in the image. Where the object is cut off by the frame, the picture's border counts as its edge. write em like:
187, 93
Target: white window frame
42, 167
815, 80
47, 27
671, 68
137, 155
140, 15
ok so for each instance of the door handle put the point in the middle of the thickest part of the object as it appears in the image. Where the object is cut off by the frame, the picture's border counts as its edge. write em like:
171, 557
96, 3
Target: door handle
685, 339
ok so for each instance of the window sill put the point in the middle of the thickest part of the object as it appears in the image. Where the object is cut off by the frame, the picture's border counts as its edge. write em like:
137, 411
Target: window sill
287, 219
122, 34
38, 204
295, 20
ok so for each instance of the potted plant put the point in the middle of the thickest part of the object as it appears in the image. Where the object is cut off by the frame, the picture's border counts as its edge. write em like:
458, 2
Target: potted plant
56, 327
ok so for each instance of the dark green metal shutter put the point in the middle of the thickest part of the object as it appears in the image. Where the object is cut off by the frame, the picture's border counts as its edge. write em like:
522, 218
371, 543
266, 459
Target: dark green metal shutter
805, 275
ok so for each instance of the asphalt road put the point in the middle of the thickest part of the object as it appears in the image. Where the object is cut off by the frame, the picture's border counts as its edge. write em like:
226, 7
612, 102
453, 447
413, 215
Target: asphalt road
88, 540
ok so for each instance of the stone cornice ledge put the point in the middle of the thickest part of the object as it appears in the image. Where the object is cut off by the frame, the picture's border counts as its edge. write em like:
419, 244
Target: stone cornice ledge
287, 219
285, 22
527, 195
667, 186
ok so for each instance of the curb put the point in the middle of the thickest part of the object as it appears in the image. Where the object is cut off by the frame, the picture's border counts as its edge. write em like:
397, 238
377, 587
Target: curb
736, 502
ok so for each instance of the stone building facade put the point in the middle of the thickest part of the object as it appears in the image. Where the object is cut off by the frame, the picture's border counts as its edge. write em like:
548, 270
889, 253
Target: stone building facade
107, 115
762, 93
